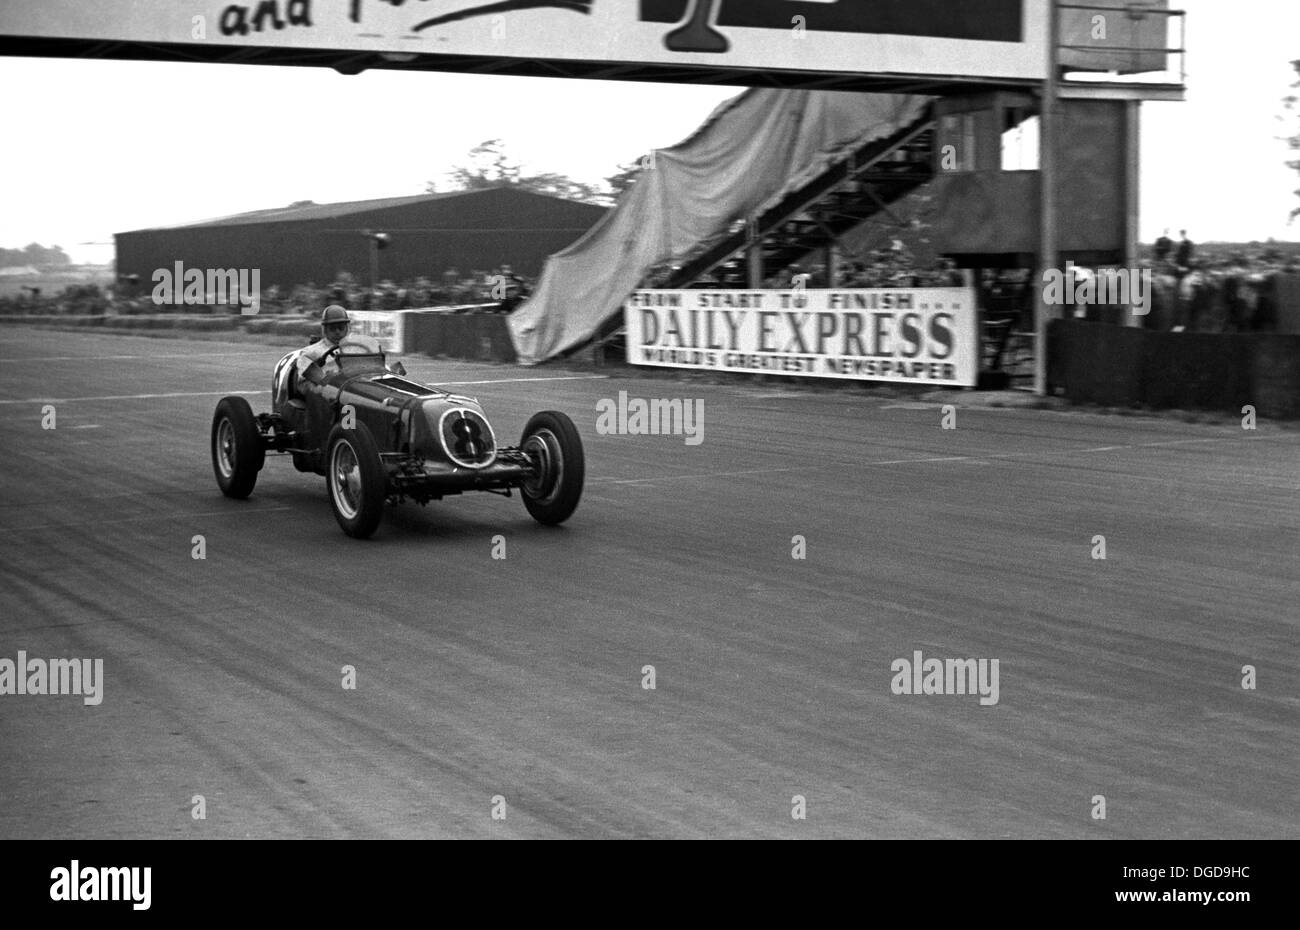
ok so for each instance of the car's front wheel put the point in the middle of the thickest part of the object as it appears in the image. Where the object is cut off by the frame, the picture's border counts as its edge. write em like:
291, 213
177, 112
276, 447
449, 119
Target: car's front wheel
357, 483
552, 444
237, 450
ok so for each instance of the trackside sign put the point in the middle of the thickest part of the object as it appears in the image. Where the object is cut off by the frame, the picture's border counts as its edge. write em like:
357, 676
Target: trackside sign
911, 335
387, 327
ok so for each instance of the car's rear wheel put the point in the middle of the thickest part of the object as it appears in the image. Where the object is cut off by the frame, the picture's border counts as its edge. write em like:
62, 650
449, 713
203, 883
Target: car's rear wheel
552, 443
237, 450
357, 483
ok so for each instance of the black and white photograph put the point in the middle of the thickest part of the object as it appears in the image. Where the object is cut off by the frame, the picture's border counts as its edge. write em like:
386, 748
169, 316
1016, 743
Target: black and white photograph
651, 419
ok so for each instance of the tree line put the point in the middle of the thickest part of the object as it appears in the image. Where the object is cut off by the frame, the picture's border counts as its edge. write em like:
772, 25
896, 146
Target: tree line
490, 166
34, 254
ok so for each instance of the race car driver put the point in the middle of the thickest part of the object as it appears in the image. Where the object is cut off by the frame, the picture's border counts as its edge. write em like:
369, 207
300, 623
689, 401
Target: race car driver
318, 360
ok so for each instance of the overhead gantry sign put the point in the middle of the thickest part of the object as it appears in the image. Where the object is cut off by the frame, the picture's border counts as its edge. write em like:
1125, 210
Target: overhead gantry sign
877, 44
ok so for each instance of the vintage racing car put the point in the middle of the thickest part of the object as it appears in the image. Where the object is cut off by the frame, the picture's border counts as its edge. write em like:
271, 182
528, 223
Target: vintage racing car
379, 436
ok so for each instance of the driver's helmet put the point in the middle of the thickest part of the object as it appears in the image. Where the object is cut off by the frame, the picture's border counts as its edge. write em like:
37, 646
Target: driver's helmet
334, 316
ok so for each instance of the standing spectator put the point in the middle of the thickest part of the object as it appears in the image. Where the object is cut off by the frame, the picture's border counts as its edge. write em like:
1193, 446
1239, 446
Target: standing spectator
952, 275
515, 285
1233, 286
355, 298
1191, 300
386, 295
1183, 259
1164, 245
1164, 300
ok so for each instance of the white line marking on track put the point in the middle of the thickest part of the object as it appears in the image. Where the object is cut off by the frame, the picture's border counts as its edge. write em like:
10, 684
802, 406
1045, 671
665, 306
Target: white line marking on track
163, 516
72, 400
767, 471
517, 380
114, 358
980, 459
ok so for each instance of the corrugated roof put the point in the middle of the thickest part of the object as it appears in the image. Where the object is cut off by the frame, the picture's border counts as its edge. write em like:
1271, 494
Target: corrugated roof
316, 211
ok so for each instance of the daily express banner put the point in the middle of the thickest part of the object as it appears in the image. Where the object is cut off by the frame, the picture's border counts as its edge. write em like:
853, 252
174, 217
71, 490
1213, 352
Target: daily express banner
912, 335
981, 38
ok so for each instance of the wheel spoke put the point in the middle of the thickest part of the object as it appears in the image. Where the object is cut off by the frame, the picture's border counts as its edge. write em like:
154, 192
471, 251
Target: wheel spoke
345, 483
226, 448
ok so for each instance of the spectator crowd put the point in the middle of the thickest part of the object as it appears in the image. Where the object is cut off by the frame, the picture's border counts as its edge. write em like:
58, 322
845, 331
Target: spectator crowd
1215, 290
499, 290
1205, 289
887, 267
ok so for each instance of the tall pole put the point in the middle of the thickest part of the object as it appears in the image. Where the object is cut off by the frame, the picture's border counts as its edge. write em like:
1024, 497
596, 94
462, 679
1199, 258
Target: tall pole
753, 253
374, 264
1132, 204
1047, 252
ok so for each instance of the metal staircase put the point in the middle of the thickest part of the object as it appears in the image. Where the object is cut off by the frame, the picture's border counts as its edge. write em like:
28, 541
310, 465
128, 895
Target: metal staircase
861, 183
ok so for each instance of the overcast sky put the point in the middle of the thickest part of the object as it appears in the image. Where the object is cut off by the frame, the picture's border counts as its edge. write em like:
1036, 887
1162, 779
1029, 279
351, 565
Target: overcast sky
97, 147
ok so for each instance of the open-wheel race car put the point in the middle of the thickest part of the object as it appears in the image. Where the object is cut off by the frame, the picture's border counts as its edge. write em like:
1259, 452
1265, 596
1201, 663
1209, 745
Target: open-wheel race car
378, 436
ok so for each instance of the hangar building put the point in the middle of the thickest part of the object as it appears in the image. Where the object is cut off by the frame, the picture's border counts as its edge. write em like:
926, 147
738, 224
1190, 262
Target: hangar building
428, 234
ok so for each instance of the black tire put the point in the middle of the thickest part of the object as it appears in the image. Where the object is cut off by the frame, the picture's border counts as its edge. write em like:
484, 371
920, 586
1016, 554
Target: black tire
355, 477
237, 450
551, 440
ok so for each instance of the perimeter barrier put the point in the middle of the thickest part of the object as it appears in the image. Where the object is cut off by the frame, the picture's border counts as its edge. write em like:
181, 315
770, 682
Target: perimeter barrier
1121, 366
457, 332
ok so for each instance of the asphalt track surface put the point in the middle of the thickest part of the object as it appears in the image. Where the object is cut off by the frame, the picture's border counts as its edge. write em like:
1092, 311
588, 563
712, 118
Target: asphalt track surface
522, 678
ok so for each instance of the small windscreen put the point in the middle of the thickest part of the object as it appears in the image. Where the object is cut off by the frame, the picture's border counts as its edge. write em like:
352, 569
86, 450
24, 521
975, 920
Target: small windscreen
355, 363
